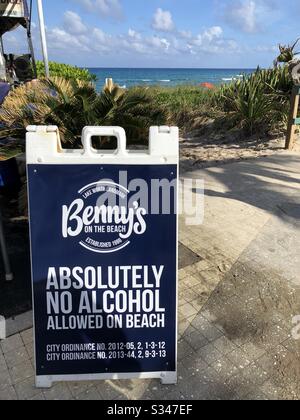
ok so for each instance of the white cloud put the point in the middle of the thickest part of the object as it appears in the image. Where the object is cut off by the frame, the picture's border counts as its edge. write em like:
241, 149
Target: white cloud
106, 8
60, 39
131, 33
100, 37
163, 21
211, 41
134, 35
250, 16
159, 43
208, 36
212, 33
185, 34
243, 15
73, 23
76, 40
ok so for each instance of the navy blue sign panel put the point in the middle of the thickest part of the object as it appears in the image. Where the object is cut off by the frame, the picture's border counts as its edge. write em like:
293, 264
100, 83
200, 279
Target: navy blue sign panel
104, 268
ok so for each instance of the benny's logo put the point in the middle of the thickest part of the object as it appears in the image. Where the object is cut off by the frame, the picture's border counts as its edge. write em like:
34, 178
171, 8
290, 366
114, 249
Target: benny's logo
103, 218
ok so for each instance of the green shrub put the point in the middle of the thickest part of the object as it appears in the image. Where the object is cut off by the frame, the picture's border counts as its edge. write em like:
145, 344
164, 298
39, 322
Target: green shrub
66, 71
257, 102
74, 104
184, 105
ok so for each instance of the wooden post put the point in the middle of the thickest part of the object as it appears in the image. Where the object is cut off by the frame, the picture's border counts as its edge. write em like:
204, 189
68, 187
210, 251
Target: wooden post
293, 120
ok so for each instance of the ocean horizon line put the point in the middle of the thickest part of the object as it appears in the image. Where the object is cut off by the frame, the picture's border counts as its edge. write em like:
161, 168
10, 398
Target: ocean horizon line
170, 68
162, 76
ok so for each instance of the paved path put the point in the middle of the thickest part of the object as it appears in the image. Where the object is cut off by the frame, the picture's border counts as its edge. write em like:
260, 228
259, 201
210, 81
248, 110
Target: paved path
238, 296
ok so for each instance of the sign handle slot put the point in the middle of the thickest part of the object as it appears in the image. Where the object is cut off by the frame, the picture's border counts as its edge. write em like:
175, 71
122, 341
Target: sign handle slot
118, 132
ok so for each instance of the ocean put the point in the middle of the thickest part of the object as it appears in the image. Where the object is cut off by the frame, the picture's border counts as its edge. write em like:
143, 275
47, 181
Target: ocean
126, 77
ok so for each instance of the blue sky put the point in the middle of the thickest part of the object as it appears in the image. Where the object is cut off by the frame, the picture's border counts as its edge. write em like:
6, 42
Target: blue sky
166, 33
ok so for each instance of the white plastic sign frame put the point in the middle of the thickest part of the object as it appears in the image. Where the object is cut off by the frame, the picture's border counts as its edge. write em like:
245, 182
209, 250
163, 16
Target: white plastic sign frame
44, 150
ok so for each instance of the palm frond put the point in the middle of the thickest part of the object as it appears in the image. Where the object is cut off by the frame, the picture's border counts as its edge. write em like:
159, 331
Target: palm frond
74, 104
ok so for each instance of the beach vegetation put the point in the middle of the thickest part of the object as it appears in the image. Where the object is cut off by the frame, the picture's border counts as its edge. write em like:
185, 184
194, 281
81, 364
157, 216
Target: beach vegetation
66, 71
185, 106
287, 53
257, 103
74, 104
253, 104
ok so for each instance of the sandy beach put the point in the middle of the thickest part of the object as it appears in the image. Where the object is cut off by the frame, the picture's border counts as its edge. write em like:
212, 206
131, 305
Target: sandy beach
199, 152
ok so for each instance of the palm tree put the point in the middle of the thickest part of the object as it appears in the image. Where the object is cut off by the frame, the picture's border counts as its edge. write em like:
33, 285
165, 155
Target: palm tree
134, 110
287, 53
73, 104
41, 103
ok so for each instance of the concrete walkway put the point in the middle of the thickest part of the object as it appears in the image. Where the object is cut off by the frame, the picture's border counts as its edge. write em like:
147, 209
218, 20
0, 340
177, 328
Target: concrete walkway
239, 291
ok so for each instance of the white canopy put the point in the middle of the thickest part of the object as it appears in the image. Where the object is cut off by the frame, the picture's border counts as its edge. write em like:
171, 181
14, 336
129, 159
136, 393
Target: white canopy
12, 14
